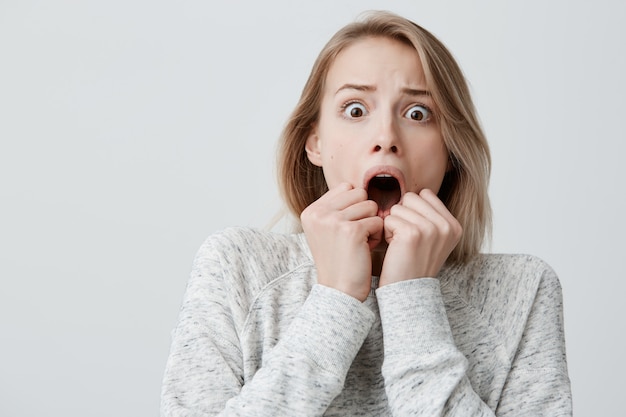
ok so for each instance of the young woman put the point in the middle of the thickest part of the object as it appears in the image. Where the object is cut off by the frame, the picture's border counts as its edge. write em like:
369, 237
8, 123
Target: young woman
383, 306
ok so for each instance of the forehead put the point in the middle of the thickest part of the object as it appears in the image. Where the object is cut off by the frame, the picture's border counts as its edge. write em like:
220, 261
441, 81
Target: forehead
371, 59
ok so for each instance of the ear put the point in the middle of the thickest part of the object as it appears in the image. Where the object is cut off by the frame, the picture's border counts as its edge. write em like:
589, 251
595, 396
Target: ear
313, 148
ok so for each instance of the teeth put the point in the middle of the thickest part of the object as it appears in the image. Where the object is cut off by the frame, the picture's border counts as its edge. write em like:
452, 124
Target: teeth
383, 176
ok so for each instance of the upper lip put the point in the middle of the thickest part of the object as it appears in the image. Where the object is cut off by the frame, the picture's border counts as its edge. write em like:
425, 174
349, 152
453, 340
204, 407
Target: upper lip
384, 170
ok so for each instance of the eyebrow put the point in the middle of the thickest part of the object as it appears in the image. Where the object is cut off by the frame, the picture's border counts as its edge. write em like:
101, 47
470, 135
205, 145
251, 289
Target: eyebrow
358, 87
364, 87
415, 92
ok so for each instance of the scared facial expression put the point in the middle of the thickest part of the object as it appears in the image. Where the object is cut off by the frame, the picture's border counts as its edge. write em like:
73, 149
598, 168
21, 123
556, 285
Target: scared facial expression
377, 128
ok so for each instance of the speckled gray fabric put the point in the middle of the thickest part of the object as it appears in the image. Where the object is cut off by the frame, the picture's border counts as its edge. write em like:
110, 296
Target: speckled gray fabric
258, 337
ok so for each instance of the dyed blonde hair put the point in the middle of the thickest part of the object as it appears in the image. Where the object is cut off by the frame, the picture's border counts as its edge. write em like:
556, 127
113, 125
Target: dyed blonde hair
464, 187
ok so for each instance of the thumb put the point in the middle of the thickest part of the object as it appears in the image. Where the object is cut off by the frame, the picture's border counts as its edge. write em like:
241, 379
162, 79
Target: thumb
375, 231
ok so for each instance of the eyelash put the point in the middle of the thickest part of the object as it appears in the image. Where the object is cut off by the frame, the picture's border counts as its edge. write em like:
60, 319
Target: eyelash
428, 110
345, 105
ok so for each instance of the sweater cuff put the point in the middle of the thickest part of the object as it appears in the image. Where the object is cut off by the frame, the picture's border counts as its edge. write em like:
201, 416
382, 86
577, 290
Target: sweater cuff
413, 317
330, 329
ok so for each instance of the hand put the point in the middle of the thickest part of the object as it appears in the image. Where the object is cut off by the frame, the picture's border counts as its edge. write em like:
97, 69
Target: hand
421, 234
342, 228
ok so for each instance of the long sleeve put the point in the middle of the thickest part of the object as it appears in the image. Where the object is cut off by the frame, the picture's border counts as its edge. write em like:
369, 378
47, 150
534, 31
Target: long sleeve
425, 374
424, 371
300, 375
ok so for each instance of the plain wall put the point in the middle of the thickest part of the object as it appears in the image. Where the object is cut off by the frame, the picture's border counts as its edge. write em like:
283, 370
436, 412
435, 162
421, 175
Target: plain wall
131, 130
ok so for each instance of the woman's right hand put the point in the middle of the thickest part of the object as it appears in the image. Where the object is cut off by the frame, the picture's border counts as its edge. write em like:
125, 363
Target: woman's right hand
342, 228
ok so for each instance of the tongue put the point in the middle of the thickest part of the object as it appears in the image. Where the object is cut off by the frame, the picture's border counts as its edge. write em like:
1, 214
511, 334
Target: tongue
384, 198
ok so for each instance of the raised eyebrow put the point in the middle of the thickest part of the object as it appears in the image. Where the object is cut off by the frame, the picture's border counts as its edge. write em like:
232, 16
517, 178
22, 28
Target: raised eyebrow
363, 87
416, 92
358, 87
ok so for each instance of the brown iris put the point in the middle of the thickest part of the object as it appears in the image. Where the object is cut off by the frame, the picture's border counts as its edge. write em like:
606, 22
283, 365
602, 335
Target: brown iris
417, 115
356, 112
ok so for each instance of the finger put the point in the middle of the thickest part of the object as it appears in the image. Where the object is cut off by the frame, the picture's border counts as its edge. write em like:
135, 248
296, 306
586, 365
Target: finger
417, 210
335, 191
413, 205
374, 227
360, 210
456, 229
436, 203
405, 221
347, 198
430, 208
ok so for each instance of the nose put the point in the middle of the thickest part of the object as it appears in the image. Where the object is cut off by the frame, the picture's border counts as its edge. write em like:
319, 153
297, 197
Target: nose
386, 138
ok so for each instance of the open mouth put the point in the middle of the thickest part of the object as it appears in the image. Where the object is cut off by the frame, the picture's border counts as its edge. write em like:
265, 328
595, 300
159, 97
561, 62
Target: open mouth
385, 188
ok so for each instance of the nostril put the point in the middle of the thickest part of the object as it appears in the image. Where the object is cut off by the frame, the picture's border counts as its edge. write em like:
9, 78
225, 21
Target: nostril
392, 148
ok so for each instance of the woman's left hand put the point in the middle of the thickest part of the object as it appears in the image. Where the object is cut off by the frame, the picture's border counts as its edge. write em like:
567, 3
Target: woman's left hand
421, 234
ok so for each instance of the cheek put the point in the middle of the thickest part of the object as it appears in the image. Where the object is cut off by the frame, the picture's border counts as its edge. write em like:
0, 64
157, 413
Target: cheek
338, 165
333, 150
439, 153
430, 166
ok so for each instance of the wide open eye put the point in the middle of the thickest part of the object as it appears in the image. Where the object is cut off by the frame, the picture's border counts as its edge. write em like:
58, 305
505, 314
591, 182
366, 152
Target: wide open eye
418, 113
354, 110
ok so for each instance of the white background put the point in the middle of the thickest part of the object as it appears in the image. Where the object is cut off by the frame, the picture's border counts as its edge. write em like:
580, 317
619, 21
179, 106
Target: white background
131, 130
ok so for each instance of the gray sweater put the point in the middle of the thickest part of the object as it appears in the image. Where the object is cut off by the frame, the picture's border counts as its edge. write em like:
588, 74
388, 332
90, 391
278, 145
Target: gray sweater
257, 336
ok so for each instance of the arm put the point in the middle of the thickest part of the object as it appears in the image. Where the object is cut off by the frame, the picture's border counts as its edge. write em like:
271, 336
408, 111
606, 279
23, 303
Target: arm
425, 374
424, 371
301, 375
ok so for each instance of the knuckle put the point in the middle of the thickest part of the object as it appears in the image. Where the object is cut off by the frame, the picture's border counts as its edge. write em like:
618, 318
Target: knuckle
308, 214
456, 228
414, 234
304, 216
458, 232
345, 228
314, 215
446, 229
429, 230
360, 193
409, 197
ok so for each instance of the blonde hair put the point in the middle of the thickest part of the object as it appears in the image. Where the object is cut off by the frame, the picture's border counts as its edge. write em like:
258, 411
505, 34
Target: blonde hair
464, 187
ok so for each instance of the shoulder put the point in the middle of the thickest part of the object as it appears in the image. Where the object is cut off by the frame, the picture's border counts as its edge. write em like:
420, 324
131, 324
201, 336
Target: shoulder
244, 243
241, 240
513, 264
504, 271
252, 255
503, 287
